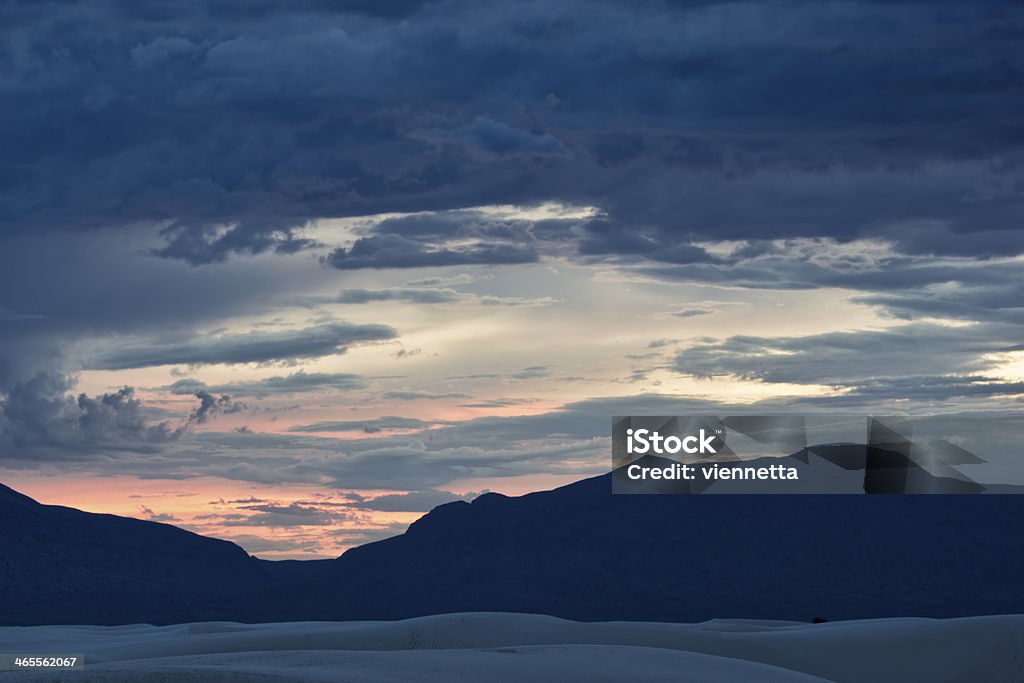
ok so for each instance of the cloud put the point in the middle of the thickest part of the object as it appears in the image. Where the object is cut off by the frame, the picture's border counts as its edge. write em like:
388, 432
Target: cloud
201, 244
442, 280
680, 120
395, 251
903, 358
210, 406
259, 544
416, 295
692, 312
570, 441
531, 372
517, 301
417, 395
926, 390
297, 382
380, 424
414, 501
281, 515
603, 237
498, 403
41, 420
875, 273
166, 170
252, 347
405, 294
149, 514
485, 135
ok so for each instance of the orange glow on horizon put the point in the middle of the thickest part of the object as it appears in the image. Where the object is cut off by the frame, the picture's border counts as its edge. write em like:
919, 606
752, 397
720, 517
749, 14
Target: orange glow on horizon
209, 506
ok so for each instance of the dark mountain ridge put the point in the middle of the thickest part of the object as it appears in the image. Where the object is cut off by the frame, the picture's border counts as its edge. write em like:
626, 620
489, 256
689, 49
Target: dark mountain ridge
582, 553
62, 565
577, 552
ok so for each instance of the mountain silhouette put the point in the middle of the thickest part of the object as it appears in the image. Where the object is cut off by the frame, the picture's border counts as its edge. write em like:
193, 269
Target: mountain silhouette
582, 553
577, 552
61, 565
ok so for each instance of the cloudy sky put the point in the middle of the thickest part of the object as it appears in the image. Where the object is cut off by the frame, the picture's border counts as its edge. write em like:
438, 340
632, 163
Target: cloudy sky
295, 276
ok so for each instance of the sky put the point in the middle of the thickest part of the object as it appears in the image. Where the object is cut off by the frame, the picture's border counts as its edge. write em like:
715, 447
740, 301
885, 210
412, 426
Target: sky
292, 274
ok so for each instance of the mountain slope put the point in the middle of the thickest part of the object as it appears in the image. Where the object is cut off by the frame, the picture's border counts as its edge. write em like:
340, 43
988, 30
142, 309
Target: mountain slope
61, 565
580, 552
577, 552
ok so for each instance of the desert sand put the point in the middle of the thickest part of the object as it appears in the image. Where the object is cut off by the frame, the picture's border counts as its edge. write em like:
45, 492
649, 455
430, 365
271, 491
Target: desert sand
498, 647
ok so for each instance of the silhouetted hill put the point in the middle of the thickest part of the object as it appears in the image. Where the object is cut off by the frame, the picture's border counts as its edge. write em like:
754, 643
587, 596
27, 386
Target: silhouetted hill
577, 552
580, 552
60, 565
9, 498
289, 572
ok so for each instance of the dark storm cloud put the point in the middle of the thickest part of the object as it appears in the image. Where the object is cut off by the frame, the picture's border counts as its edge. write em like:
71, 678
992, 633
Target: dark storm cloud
68, 293
251, 347
194, 245
41, 422
503, 140
160, 10
234, 126
230, 127
93, 291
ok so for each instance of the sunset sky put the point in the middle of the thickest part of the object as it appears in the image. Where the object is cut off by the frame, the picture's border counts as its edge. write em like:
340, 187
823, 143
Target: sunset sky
292, 277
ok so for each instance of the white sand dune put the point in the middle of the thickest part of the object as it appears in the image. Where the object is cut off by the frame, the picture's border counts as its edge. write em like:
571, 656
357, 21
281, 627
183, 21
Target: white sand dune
518, 647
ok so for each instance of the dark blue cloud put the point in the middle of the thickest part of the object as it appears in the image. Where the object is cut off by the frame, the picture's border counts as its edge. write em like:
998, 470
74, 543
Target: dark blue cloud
439, 239
233, 125
504, 140
226, 128
395, 251
250, 347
